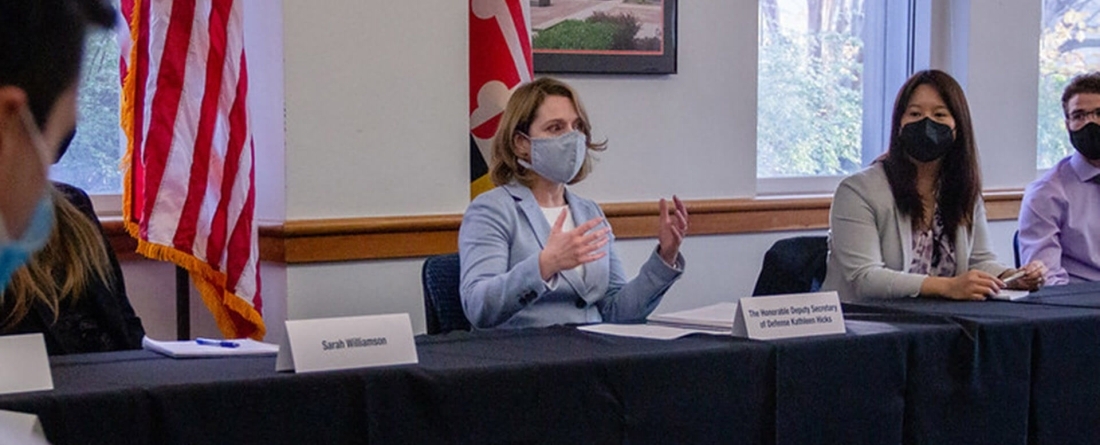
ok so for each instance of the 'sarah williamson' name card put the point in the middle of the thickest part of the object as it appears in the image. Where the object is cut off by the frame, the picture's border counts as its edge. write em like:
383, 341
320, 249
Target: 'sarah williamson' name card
325, 344
787, 316
24, 365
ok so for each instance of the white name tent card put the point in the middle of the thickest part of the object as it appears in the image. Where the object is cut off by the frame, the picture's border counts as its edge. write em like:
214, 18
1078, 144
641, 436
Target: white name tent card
788, 316
21, 428
325, 344
24, 365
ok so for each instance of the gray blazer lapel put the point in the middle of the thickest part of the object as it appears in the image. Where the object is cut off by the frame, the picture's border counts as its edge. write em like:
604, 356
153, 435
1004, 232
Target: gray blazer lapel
905, 234
540, 227
529, 209
595, 272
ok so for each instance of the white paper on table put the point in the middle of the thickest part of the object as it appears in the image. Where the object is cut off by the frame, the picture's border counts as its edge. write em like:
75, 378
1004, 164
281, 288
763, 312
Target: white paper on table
656, 332
1011, 294
715, 317
191, 349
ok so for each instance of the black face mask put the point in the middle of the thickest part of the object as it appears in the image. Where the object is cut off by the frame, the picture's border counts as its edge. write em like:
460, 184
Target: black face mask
926, 140
61, 149
1087, 140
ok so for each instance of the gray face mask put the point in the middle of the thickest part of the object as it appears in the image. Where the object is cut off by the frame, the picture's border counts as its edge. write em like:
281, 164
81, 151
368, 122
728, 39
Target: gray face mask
557, 159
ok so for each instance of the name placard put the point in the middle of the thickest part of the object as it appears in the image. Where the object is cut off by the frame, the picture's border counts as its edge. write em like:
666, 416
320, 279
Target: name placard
325, 344
788, 316
25, 366
21, 428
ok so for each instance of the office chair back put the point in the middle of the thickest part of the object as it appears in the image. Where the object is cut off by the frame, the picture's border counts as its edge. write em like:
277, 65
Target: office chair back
442, 304
1016, 247
793, 265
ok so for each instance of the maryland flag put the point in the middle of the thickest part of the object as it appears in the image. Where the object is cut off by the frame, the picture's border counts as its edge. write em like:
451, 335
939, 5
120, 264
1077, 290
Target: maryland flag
500, 60
189, 192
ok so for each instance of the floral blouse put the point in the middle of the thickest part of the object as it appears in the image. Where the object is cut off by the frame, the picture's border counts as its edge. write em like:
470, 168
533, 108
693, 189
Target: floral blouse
933, 251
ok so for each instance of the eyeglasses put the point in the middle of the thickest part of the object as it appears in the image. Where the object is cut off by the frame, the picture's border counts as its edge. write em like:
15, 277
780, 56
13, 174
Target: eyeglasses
1081, 115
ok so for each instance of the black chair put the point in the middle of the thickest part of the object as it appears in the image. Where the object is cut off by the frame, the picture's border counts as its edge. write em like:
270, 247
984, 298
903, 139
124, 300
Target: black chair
442, 304
1016, 247
793, 265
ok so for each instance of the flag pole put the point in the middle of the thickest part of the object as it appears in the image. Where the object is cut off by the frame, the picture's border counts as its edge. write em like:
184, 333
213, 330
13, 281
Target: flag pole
183, 304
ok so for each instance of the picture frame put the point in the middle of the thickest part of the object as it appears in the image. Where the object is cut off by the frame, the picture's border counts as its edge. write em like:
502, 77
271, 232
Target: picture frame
593, 36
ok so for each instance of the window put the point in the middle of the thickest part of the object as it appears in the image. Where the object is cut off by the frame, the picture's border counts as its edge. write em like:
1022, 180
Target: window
827, 75
92, 161
1069, 45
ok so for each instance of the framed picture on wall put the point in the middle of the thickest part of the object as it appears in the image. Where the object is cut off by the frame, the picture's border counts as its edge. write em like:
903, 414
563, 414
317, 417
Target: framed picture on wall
604, 36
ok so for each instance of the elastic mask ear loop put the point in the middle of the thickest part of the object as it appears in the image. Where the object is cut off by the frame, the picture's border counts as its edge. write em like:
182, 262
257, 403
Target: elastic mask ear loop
36, 137
530, 147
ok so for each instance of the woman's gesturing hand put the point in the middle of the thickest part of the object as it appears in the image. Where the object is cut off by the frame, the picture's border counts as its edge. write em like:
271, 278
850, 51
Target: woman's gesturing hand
566, 250
670, 233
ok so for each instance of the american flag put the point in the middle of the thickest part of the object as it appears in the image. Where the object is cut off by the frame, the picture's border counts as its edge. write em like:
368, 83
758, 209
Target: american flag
500, 61
189, 192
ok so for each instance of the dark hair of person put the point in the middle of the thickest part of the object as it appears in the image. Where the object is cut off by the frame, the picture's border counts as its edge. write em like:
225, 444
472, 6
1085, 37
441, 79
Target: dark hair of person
1084, 83
41, 45
959, 183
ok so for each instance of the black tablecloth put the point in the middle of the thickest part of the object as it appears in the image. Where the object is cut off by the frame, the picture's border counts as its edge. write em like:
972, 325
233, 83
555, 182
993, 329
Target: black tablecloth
908, 371
1052, 338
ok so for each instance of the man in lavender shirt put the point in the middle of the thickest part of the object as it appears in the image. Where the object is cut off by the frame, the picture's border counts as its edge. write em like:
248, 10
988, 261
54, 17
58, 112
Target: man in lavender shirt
1060, 215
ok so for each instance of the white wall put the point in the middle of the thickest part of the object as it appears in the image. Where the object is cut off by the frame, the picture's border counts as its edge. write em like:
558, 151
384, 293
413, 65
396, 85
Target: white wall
993, 48
381, 129
376, 113
376, 124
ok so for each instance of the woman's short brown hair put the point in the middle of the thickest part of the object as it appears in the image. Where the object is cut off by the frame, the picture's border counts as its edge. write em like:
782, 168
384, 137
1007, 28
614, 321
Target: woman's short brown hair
517, 118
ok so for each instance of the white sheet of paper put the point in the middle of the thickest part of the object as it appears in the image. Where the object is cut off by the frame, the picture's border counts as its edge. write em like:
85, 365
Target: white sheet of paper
324, 344
190, 349
717, 317
1011, 294
25, 365
656, 332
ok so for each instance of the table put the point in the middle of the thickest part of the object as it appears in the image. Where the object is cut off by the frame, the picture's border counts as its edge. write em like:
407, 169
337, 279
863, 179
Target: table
1053, 336
912, 371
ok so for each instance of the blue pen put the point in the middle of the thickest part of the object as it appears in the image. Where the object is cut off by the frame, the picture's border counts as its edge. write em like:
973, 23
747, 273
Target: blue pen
218, 343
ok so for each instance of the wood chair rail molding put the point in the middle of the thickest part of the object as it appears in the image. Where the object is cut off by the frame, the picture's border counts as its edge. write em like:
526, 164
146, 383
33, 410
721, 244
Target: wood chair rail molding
374, 238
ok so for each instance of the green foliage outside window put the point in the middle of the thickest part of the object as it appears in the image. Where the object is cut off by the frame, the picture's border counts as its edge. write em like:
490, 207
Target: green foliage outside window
810, 95
92, 161
1069, 45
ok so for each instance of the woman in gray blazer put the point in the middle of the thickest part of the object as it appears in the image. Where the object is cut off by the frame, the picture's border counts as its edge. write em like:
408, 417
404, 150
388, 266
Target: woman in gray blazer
913, 223
535, 254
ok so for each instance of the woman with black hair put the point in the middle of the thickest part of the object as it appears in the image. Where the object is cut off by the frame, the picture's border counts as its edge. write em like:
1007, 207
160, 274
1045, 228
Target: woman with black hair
913, 223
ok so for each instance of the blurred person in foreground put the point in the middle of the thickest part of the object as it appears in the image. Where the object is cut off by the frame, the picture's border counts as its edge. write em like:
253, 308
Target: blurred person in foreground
41, 45
72, 290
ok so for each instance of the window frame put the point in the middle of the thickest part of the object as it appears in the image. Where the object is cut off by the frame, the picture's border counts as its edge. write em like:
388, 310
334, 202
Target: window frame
888, 25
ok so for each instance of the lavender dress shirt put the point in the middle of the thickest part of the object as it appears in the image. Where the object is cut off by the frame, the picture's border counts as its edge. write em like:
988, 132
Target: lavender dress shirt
1060, 221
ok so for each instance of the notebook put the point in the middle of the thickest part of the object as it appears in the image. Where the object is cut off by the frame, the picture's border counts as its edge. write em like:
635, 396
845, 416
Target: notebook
191, 349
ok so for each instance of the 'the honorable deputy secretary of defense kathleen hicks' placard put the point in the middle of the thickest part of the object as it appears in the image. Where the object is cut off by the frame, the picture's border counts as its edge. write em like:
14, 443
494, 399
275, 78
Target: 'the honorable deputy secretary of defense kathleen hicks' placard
787, 316
325, 344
